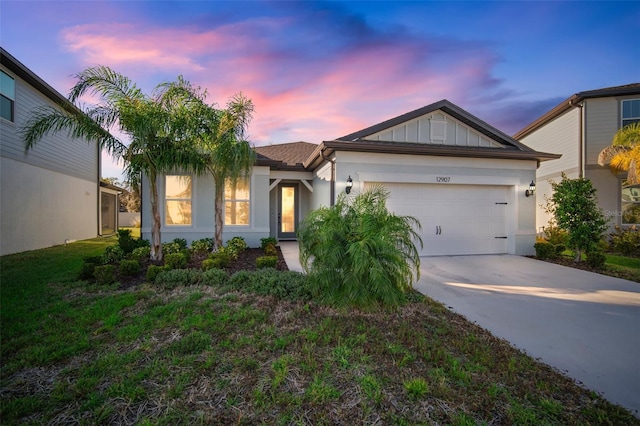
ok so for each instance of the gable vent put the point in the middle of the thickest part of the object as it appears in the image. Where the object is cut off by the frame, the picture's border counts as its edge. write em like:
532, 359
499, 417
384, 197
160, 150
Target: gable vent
438, 130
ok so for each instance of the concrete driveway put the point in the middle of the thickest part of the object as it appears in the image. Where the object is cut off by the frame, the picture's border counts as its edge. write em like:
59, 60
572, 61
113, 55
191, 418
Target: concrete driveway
584, 324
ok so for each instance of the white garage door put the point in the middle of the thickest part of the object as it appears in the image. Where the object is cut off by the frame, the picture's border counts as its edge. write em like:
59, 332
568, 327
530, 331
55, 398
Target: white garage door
455, 219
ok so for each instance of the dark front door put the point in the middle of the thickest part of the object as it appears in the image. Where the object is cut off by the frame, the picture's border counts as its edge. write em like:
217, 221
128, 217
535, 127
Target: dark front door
287, 211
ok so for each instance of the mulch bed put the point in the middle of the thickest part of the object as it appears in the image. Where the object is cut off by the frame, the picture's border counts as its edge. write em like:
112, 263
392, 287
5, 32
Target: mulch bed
569, 262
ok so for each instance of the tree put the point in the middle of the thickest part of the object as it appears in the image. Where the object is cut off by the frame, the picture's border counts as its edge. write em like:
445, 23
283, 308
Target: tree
154, 124
357, 253
574, 207
624, 153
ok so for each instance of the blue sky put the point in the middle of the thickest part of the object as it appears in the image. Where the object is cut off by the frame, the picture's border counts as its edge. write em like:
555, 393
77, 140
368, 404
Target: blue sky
320, 70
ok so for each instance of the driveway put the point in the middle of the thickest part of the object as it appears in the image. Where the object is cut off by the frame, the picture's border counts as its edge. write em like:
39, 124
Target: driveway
584, 324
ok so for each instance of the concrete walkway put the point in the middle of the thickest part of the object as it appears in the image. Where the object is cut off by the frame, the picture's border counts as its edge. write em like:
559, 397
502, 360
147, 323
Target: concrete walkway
584, 324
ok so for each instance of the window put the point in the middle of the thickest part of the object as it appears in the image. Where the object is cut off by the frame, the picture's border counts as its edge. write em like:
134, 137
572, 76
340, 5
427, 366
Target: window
7, 96
630, 204
630, 111
177, 200
236, 202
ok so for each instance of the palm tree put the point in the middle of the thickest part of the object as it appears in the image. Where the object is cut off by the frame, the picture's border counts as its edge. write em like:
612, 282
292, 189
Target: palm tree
155, 126
624, 153
358, 254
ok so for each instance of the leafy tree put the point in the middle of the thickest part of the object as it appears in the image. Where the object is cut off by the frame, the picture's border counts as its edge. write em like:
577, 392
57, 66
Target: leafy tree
624, 153
574, 207
357, 253
154, 124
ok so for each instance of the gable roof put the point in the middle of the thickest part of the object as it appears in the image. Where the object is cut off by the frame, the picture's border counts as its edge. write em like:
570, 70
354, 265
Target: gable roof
449, 108
573, 101
289, 156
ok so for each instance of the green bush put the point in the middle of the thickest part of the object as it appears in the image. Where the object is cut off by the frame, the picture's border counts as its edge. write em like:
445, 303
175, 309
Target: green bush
178, 277
235, 246
215, 277
153, 271
270, 250
175, 261
545, 250
268, 241
171, 248
221, 258
555, 235
127, 243
112, 254
141, 253
202, 246
88, 266
104, 274
181, 242
359, 254
266, 262
625, 241
283, 284
559, 249
596, 259
129, 267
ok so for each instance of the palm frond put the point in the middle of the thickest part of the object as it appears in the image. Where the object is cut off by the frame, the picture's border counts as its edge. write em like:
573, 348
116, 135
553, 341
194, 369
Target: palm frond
106, 83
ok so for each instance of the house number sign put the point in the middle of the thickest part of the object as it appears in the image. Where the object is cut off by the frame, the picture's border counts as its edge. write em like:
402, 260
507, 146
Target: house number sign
443, 179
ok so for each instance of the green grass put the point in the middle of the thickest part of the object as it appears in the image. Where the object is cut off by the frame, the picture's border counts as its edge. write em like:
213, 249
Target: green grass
211, 355
135, 232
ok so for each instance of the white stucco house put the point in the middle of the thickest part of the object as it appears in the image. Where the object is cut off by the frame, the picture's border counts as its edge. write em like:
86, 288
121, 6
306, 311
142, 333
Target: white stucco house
463, 179
579, 128
51, 194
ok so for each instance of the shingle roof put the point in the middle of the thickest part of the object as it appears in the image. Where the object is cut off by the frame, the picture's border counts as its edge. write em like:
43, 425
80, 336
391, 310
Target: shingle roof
288, 154
573, 101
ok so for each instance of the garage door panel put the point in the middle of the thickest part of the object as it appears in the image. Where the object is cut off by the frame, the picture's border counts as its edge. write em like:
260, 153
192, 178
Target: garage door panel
455, 219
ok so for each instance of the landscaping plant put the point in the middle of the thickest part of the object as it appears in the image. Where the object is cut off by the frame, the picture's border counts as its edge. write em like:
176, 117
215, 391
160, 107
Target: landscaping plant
359, 254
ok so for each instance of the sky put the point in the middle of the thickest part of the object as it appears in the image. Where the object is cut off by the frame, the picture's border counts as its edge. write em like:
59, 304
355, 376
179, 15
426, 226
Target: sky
320, 70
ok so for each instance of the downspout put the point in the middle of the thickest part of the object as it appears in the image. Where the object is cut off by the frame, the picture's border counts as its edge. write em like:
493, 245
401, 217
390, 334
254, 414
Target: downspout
333, 177
580, 137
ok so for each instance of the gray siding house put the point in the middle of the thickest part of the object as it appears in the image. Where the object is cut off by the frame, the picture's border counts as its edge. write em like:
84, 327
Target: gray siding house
463, 179
51, 194
579, 128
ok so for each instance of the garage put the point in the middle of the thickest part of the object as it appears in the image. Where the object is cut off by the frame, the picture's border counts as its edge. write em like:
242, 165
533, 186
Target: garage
455, 219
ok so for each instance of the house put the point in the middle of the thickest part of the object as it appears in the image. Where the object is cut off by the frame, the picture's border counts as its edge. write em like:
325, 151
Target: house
464, 180
579, 128
50, 195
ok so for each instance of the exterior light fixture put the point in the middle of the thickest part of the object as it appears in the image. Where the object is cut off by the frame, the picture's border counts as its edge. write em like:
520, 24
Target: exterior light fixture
349, 185
532, 189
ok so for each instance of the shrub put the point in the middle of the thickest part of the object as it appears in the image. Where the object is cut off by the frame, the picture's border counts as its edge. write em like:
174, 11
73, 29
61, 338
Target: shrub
178, 277
266, 262
112, 254
545, 250
129, 267
270, 250
221, 258
181, 242
175, 261
153, 271
555, 235
626, 240
268, 241
141, 253
202, 246
596, 259
104, 274
88, 266
171, 248
283, 284
359, 254
215, 277
127, 243
235, 246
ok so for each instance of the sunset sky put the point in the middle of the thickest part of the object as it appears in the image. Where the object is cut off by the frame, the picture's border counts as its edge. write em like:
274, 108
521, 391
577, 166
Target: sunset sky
320, 70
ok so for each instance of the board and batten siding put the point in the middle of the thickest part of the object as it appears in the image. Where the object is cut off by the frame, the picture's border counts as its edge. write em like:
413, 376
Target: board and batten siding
57, 152
437, 128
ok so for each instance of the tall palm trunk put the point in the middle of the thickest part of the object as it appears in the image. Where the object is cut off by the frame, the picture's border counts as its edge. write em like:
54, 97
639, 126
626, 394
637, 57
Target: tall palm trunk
218, 206
156, 241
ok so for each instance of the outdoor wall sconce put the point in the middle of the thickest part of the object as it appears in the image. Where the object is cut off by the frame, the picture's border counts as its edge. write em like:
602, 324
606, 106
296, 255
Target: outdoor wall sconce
532, 189
349, 185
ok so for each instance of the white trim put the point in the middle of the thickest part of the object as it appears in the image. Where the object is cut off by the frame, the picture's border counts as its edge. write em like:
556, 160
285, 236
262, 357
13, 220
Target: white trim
283, 174
274, 184
440, 179
305, 183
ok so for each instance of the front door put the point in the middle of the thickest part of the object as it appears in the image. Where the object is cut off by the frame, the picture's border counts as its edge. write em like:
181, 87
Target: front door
287, 211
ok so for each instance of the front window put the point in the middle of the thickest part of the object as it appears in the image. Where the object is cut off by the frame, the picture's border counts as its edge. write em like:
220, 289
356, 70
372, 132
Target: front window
630, 111
178, 200
7, 96
630, 204
236, 202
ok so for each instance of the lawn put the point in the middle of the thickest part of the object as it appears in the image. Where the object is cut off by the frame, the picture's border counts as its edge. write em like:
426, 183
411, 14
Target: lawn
73, 352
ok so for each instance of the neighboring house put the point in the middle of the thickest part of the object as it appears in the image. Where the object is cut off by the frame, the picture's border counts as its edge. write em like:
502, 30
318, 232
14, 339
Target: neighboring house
49, 195
463, 179
579, 128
